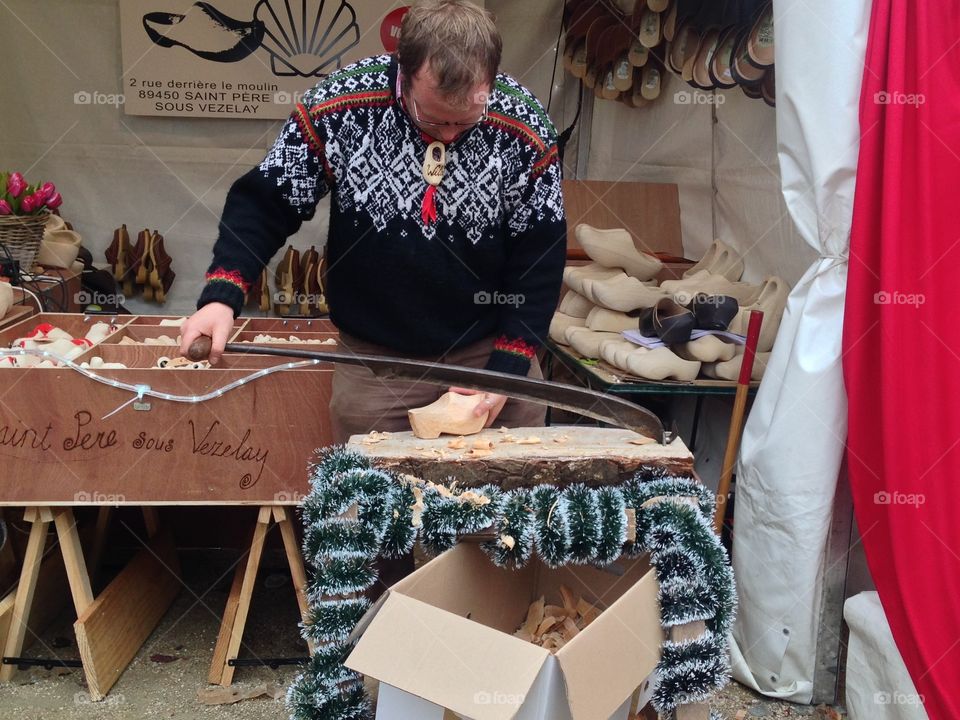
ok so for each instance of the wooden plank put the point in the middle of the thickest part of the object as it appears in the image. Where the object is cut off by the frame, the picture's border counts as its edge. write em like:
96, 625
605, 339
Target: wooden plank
23, 599
564, 455
680, 633
233, 640
114, 627
295, 561
73, 559
650, 212
219, 662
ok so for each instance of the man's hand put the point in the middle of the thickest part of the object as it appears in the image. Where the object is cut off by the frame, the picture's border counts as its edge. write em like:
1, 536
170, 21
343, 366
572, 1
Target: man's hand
491, 403
214, 319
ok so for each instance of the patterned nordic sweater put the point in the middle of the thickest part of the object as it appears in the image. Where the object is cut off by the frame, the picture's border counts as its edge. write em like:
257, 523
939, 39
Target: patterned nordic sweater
489, 266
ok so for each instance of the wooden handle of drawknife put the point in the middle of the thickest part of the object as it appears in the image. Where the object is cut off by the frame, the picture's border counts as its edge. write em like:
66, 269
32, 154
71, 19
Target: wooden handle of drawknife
737, 418
200, 348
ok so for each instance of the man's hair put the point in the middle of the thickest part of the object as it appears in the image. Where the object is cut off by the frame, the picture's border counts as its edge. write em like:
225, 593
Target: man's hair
457, 38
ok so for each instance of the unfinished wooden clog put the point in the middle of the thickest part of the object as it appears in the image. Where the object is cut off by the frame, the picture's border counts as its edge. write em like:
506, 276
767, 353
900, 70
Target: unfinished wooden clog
587, 342
707, 283
614, 248
574, 275
575, 305
622, 293
720, 259
603, 320
452, 413
661, 364
771, 299
708, 348
559, 325
730, 369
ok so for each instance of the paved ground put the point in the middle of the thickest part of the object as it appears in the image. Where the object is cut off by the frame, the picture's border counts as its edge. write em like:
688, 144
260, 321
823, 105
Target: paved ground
164, 679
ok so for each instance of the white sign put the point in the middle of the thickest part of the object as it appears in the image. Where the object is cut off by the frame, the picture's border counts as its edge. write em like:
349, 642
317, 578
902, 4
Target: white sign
243, 58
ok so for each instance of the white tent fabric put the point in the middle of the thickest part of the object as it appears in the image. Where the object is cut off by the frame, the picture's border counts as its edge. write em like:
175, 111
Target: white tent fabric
793, 441
876, 690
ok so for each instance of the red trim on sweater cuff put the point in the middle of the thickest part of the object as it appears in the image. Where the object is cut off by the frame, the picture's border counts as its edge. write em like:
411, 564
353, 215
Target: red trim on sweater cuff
228, 276
516, 346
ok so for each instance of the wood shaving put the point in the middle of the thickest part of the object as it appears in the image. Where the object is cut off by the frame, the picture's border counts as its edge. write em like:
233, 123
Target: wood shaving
561, 439
529, 440
375, 437
477, 453
503, 429
642, 441
457, 444
507, 541
553, 626
508, 439
482, 445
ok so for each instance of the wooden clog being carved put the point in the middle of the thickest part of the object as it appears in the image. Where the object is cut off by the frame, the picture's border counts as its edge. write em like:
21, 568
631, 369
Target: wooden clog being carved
452, 413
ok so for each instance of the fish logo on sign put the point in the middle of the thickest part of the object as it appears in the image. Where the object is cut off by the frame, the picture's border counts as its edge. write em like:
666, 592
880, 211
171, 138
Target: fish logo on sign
306, 38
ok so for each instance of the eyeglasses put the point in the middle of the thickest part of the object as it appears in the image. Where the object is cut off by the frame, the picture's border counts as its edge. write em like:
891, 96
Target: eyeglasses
427, 123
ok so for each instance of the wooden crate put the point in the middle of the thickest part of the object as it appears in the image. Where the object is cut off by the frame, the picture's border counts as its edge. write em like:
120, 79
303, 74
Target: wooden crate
249, 446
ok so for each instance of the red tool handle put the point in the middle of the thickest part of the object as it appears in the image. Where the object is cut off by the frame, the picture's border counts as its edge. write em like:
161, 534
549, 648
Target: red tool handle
750, 353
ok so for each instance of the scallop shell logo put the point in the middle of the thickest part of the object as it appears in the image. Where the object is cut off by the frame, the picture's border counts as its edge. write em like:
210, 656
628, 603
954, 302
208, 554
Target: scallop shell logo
307, 37
304, 38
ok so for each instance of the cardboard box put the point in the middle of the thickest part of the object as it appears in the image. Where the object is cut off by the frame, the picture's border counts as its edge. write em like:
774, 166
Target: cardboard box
442, 646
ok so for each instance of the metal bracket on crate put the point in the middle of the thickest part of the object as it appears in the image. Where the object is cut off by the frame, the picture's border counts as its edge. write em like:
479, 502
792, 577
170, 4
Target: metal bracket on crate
46, 663
272, 663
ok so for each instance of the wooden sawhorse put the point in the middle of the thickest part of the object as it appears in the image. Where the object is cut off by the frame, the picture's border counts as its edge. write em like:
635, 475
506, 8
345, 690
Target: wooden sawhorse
112, 626
241, 591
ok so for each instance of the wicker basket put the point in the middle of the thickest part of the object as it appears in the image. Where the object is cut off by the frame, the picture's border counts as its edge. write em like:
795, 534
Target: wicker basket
21, 236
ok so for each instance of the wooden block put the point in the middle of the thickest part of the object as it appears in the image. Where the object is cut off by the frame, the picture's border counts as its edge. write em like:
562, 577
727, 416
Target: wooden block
114, 627
631, 525
591, 455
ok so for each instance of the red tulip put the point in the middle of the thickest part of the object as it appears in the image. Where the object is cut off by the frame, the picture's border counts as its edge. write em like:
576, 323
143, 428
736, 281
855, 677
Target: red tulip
47, 190
29, 204
5, 208
54, 201
16, 184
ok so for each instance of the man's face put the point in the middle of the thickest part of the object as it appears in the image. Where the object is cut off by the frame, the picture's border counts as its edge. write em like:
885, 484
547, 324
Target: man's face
425, 102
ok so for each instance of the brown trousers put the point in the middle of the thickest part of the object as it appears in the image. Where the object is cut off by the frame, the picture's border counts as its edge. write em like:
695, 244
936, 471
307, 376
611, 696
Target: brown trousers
362, 402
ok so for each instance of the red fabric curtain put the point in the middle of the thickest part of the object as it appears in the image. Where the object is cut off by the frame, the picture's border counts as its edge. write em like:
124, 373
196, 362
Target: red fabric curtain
901, 337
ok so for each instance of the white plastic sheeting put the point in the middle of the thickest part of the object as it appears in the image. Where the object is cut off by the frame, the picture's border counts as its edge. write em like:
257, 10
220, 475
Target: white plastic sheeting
876, 690
793, 442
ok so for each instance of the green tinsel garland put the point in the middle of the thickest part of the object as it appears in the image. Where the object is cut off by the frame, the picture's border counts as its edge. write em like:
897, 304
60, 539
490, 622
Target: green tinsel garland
576, 524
